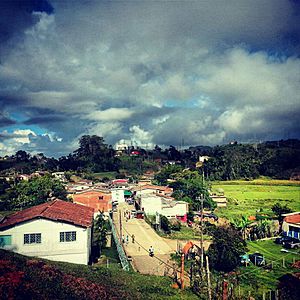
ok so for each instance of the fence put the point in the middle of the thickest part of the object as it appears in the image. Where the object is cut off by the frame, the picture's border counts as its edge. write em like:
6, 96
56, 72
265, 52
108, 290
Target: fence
122, 255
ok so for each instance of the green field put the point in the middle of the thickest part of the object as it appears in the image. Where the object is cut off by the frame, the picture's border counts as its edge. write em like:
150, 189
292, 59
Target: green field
259, 280
246, 198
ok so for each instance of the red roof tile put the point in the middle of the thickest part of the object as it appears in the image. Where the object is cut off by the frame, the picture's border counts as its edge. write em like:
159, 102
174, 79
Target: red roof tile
56, 210
99, 201
294, 219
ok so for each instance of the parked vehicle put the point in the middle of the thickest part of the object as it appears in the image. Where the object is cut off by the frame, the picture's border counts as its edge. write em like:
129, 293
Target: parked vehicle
292, 244
211, 216
257, 259
283, 239
245, 259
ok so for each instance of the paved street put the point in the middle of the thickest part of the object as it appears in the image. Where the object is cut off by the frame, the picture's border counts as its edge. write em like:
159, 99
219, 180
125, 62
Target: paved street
145, 237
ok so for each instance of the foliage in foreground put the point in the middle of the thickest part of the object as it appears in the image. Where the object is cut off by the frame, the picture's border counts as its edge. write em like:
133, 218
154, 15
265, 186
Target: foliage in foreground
34, 278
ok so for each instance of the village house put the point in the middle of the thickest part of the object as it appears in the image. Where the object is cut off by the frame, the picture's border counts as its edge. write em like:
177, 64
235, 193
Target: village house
55, 230
220, 200
291, 225
98, 200
152, 204
153, 189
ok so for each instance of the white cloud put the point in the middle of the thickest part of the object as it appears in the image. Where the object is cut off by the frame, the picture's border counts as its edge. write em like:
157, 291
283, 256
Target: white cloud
206, 68
111, 114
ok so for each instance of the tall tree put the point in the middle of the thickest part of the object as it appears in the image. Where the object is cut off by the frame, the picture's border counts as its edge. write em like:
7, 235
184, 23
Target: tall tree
33, 192
279, 210
224, 253
101, 227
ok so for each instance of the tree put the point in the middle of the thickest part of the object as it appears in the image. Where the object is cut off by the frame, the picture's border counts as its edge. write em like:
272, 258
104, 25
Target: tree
165, 224
191, 185
33, 192
101, 227
94, 155
279, 210
224, 253
241, 225
22, 156
167, 173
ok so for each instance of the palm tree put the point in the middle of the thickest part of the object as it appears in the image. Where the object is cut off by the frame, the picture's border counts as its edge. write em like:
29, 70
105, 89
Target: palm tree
241, 225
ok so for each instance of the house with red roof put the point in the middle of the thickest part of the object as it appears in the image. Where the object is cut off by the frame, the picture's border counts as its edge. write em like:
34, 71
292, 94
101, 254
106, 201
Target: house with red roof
55, 230
291, 225
99, 201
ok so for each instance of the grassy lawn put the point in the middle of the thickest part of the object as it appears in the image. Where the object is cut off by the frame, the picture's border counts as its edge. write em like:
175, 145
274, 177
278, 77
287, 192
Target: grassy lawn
245, 198
185, 233
257, 279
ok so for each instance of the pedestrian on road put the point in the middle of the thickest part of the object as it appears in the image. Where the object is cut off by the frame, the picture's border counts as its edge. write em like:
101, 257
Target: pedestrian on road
151, 251
123, 239
133, 237
127, 239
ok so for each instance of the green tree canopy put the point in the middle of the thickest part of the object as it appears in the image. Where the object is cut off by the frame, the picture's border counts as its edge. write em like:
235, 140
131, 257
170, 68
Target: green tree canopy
191, 185
94, 155
33, 192
224, 253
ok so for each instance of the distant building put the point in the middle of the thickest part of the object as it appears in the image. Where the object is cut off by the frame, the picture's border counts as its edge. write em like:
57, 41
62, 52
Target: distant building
99, 201
153, 189
220, 200
163, 205
291, 225
55, 230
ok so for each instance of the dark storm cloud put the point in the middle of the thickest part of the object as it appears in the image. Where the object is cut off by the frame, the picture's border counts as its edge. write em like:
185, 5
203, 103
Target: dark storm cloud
5, 121
151, 72
44, 119
16, 15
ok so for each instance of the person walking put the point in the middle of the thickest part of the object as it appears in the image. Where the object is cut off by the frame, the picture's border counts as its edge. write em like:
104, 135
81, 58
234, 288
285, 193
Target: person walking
151, 251
133, 237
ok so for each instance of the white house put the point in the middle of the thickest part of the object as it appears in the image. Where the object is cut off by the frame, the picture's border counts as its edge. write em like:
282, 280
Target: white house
291, 224
117, 195
55, 230
153, 189
165, 206
151, 204
175, 209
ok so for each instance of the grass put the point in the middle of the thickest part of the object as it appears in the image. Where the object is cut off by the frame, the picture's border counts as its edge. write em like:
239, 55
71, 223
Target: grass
130, 284
246, 198
258, 279
185, 233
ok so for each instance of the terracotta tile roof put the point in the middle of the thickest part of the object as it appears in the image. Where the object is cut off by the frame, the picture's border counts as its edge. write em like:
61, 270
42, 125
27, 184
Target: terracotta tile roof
294, 219
99, 201
56, 210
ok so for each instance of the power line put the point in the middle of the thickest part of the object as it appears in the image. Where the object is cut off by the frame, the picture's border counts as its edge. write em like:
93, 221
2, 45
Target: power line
162, 261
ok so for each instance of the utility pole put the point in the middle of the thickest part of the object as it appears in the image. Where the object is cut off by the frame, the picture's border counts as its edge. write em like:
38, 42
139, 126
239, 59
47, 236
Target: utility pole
120, 219
202, 254
208, 278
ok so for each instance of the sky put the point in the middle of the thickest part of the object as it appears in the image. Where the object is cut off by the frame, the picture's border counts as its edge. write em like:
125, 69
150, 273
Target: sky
147, 72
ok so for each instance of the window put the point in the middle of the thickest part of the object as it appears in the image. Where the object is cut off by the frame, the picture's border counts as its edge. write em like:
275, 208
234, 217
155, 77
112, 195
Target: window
5, 240
68, 236
32, 238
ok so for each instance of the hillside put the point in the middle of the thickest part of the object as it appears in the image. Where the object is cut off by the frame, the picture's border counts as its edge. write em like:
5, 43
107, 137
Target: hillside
33, 278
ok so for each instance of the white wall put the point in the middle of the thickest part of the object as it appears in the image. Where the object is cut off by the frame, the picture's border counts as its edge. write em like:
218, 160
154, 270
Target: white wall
151, 204
117, 194
179, 209
50, 246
